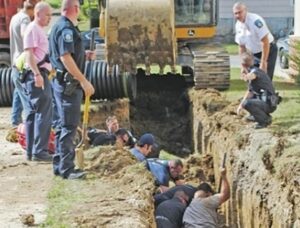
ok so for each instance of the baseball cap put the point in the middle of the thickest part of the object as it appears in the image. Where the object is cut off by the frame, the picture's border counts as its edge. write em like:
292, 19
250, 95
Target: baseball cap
147, 138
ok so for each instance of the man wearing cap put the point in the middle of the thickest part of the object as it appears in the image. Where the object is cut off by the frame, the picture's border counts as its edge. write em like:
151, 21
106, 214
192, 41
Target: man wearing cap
164, 171
202, 210
143, 147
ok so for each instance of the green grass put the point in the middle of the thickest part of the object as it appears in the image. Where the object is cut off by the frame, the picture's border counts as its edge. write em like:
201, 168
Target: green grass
61, 199
288, 111
232, 49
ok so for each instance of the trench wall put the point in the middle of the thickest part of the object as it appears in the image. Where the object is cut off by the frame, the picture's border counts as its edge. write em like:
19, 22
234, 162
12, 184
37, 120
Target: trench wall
263, 168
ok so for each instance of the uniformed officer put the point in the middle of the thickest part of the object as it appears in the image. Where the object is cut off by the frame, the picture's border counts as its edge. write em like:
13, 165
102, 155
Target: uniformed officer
36, 85
257, 99
253, 34
67, 56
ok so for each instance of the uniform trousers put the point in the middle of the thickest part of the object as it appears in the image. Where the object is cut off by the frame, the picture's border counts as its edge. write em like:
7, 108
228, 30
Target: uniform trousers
39, 117
271, 59
68, 109
259, 109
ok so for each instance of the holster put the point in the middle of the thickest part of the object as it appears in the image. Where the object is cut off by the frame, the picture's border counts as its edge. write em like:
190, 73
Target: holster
23, 75
71, 84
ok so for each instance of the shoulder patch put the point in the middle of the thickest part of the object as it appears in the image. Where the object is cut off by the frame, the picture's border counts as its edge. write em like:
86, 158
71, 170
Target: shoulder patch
67, 35
258, 23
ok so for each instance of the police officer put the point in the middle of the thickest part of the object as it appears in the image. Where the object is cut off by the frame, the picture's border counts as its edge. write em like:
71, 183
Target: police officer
258, 98
67, 57
253, 34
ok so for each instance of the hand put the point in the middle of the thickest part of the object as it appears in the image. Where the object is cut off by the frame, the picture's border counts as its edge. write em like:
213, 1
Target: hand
223, 171
239, 109
163, 188
87, 88
244, 72
263, 66
39, 81
90, 55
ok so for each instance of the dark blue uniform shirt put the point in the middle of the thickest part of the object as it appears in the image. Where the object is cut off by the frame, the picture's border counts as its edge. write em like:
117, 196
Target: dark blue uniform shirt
261, 82
160, 170
66, 38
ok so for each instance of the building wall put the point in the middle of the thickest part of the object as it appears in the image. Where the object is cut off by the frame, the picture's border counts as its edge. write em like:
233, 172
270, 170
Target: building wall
278, 14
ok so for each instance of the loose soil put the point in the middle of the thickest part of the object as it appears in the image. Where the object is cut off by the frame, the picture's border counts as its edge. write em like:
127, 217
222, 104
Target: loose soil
118, 190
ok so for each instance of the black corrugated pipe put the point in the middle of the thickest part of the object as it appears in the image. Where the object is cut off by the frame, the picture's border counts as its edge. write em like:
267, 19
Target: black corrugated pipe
6, 87
110, 85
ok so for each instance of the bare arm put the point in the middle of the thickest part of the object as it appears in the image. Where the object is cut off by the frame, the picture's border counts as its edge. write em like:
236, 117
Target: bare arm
265, 53
72, 68
248, 94
225, 189
242, 49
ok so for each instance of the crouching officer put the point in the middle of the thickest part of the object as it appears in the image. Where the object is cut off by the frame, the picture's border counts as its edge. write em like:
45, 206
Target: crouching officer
67, 56
260, 99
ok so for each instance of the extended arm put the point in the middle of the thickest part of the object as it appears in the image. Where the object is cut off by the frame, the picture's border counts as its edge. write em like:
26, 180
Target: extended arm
225, 189
72, 68
265, 53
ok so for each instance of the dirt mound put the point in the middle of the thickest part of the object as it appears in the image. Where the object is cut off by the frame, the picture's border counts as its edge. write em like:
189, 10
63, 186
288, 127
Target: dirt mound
263, 168
117, 193
107, 160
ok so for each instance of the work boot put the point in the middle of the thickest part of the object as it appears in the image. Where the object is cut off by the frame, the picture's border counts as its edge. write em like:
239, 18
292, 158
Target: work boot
45, 157
263, 125
250, 118
75, 175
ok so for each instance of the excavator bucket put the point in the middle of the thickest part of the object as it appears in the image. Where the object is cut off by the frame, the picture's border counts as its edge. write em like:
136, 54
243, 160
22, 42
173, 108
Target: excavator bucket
140, 33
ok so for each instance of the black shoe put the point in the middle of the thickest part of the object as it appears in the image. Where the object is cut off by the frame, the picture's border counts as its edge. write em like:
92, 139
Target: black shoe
76, 175
28, 157
262, 125
42, 157
250, 118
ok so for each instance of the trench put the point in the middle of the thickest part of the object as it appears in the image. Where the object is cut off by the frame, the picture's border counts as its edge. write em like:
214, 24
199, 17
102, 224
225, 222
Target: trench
191, 123
200, 126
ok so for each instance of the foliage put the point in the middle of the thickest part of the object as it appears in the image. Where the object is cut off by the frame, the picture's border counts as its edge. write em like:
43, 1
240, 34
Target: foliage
295, 59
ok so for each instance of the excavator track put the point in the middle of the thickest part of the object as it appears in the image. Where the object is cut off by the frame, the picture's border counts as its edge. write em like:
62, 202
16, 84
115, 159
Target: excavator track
211, 69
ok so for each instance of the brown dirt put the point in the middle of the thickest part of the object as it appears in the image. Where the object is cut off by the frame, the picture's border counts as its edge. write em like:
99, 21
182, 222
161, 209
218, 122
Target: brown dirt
24, 185
263, 168
118, 192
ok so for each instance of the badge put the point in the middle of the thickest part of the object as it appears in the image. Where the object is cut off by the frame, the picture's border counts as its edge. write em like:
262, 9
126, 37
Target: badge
67, 35
258, 23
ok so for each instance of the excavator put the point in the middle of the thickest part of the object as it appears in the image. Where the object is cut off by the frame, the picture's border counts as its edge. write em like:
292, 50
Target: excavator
159, 37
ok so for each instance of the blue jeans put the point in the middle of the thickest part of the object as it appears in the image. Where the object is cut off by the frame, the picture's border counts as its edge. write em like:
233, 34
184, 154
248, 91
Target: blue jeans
39, 118
20, 100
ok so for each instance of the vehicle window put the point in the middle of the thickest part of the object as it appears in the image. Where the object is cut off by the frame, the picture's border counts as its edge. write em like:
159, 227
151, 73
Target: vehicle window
193, 12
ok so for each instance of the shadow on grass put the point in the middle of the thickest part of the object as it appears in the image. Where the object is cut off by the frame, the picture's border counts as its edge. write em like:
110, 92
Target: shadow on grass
282, 123
240, 85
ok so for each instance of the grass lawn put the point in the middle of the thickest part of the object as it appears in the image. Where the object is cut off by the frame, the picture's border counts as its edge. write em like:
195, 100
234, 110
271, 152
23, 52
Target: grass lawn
287, 113
231, 48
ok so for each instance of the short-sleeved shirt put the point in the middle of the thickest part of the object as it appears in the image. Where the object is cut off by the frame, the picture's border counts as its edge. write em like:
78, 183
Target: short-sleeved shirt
251, 32
36, 39
160, 170
261, 82
201, 213
173, 210
65, 38
18, 24
138, 154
